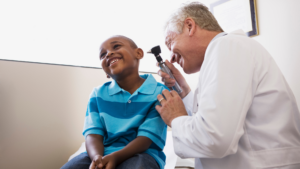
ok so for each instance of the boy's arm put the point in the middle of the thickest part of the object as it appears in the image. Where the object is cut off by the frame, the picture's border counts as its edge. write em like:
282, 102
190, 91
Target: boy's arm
93, 131
138, 145
94, 145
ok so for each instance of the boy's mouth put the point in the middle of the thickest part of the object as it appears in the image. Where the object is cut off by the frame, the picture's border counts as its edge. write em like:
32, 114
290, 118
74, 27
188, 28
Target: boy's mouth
112, 61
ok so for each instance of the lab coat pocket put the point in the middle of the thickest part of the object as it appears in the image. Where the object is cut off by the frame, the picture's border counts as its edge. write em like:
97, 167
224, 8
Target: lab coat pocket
276, 158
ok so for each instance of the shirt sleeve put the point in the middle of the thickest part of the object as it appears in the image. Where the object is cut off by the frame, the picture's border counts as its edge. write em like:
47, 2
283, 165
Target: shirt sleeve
154, 127
224, 97
188, 103
92, 122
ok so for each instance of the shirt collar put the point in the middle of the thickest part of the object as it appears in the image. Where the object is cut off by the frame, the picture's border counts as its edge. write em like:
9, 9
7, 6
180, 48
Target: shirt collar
218, 35
148, 87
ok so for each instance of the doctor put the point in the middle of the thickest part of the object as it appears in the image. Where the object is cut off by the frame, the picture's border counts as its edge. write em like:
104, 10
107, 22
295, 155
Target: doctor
243, 114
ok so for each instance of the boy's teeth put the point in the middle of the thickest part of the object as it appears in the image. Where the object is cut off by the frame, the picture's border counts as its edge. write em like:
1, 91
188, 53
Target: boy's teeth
114, 61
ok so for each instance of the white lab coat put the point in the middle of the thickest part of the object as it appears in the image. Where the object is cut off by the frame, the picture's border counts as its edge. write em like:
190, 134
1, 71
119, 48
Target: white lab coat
243, 114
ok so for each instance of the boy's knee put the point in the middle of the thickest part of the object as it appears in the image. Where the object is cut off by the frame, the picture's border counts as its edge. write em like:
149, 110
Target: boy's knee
82, 161
141, 161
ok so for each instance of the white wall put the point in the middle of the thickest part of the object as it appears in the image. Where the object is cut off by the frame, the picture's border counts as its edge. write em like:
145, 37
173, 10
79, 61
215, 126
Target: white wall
42, 110
42, 107
279, 26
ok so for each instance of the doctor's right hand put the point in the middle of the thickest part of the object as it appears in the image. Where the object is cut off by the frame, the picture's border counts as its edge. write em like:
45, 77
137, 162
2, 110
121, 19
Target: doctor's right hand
171, 82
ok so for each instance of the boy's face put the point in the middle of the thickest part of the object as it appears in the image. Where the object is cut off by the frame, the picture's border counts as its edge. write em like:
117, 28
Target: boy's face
118, 57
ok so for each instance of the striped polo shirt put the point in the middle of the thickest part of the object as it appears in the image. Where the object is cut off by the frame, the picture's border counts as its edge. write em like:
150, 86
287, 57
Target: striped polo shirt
120, 117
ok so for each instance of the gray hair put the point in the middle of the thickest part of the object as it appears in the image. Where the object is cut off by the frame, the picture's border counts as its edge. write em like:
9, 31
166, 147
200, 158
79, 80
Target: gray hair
198, 12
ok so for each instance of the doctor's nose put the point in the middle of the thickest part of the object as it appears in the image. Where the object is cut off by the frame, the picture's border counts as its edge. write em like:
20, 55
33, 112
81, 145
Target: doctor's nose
174, 58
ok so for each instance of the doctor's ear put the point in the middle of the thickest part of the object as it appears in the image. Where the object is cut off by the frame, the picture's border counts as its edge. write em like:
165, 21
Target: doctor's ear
107, 76
191, 25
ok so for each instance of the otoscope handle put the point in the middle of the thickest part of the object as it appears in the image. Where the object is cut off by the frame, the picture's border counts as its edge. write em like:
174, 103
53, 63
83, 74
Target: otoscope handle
165, 69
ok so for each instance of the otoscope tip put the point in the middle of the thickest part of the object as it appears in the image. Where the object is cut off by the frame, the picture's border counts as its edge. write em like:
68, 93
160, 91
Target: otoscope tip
149, 51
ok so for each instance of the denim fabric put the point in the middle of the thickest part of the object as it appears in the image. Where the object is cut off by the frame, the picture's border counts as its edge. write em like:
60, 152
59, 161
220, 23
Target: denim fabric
138, 161
82, 161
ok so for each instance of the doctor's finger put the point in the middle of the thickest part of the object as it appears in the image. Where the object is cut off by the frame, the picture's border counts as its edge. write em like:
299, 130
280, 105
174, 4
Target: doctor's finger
163, 74
161, 99
167, 94
158, 108
170, 82
174, 93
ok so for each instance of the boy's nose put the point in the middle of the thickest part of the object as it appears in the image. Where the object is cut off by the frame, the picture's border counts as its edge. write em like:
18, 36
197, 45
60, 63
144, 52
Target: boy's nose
109, 54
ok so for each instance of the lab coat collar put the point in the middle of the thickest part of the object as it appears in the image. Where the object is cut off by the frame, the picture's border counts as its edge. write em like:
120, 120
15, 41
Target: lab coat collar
238, 32
218, 35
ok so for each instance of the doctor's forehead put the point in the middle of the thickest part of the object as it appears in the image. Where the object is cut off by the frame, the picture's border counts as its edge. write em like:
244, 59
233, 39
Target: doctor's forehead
169, 39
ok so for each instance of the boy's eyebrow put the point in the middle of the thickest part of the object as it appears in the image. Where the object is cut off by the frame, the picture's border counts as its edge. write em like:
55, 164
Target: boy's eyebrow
113, 42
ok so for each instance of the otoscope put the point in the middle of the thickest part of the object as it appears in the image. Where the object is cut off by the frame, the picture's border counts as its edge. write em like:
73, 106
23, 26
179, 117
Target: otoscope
156, 51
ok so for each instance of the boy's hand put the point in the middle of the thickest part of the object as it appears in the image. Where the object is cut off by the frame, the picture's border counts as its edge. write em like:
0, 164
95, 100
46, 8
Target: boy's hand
96, 162
108, 162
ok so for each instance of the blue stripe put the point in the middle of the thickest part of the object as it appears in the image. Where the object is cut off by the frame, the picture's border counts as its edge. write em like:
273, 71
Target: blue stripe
92, 106
119, 110
124, 136
154, 146
155, 135
162, 155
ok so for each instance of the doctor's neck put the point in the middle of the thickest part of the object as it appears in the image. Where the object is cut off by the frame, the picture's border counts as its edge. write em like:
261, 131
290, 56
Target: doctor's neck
205, 36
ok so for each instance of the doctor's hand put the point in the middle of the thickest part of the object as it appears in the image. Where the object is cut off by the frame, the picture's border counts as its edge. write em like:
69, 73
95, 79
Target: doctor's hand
171, 106
178, 76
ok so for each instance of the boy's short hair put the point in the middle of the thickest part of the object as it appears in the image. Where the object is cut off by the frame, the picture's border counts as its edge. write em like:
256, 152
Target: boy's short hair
131, 42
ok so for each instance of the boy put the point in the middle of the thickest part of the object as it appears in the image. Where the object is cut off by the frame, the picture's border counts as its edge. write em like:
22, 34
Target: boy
122, 127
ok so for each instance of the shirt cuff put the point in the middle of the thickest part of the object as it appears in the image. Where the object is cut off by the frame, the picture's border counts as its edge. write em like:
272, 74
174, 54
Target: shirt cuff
93, 131
188, 102
176, 128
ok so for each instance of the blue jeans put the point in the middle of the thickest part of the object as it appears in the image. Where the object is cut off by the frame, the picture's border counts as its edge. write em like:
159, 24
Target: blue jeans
138, 161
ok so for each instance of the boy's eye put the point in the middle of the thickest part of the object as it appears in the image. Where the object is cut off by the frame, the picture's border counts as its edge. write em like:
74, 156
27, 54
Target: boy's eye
116, 46
102, 55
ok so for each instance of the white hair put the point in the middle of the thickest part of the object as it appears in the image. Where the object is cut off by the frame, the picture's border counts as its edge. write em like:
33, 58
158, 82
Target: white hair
198, 12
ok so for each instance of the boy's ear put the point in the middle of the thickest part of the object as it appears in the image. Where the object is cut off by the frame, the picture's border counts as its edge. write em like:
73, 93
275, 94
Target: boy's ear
139, 53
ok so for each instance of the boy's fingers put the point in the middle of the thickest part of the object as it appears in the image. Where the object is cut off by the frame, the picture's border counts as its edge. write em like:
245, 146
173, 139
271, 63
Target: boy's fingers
93, 165
97, 161
109, 166
103, 163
